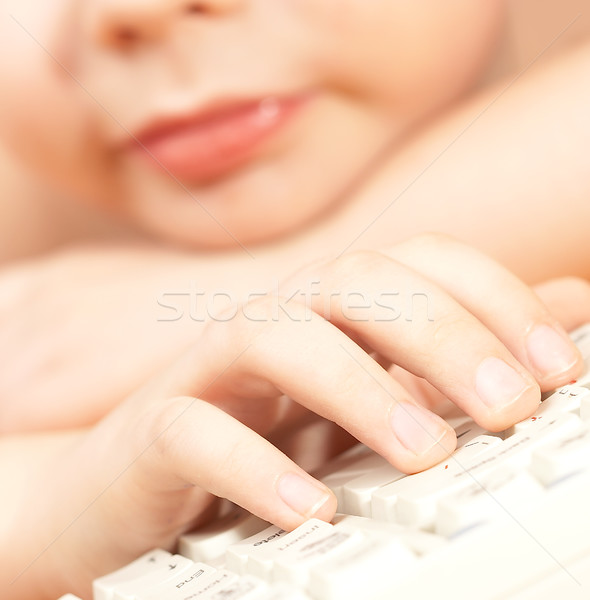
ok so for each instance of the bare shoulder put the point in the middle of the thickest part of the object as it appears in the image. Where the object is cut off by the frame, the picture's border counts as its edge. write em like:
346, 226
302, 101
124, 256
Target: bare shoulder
536, 30
547, 25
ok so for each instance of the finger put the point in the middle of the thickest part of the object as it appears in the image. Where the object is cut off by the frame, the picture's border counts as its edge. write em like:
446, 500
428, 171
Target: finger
568, 300
435, 337
501, 301
199, 444
300, 354
424, 392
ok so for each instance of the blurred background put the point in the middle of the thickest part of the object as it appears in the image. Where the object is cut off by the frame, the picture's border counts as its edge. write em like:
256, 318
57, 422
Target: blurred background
531, 29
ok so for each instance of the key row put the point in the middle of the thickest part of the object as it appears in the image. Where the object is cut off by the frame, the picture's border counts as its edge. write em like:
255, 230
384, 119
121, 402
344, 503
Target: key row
355, 557
345, 560
518, 465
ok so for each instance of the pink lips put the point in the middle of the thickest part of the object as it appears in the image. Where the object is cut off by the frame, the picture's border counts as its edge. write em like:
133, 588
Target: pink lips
213, 143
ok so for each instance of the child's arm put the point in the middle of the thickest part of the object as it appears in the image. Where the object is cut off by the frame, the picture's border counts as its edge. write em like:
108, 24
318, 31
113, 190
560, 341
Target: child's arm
82, 328
94, 500
508, 172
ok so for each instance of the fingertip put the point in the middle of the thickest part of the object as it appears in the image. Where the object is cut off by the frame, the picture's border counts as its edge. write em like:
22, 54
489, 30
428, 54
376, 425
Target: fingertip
553, 356
327, 509
566, 377
305, 496
443, 449
419, 430
519, 409
424, 437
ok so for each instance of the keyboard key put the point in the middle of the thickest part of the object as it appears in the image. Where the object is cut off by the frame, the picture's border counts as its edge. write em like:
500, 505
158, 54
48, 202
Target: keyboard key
503, 556
421, 491
468, 431
566, 399
224, 585
415, 497
262, 559
503, 492
365, 571
293, 565
210, 542
354, 463
585, 403
103, 587
562, 457
418, 541
237, 555
201, 582
133, 589
357, 493
244, 587
581, 338
281, 592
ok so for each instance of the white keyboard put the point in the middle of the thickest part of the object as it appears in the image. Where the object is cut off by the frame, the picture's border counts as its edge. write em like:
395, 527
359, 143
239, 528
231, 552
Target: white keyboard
506, 517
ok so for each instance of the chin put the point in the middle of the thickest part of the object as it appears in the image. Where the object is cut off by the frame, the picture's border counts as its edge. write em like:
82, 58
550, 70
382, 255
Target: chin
203, 230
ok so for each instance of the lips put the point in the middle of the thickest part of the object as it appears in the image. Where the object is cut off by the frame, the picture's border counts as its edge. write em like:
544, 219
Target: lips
214, 142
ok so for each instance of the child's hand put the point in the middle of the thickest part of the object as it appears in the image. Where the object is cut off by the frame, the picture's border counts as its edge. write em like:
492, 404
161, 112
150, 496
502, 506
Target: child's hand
476, 333
151, 468
79, 331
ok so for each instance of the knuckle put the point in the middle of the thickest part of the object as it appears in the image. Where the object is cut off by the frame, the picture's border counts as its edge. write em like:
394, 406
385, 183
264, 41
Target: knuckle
249, 341
450, 325
352, 385
159, 427
352, 265
431, 241
239, 328
272, 311
235, 460
261, 310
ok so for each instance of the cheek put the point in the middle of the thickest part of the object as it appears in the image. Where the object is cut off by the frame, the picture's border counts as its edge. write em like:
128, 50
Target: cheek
411, 56
47, 128
43, 119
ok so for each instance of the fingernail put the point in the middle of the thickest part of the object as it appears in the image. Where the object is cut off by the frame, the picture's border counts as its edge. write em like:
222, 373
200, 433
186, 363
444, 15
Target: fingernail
416, 428
301, 495
548, 350
498, 384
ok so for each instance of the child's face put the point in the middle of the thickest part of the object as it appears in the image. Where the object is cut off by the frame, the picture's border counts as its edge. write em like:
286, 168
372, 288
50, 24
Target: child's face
260, 112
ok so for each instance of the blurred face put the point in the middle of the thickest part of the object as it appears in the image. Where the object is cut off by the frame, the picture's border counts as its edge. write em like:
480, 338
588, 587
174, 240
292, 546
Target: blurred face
221, 121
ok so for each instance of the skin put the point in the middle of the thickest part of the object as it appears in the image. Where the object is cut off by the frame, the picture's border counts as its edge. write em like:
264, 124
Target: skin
127, 456
82, 97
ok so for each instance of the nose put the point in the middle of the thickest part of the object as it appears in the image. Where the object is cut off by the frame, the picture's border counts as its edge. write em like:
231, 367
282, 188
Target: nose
122, 23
